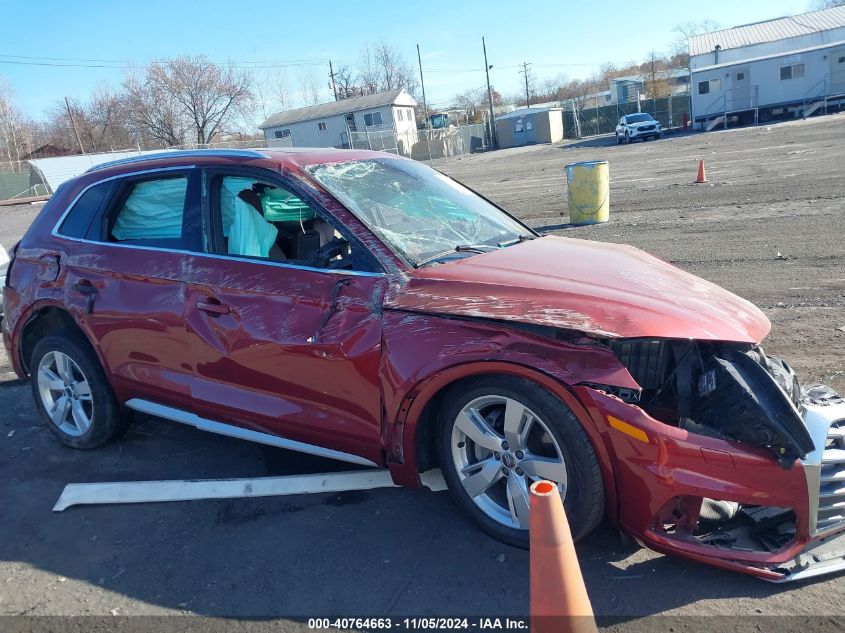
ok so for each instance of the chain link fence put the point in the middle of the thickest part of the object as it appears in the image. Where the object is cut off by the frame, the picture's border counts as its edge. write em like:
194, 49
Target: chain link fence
17, 180
424, 145
670, 112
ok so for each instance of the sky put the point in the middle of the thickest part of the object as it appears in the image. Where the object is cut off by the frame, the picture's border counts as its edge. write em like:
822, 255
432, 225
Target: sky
55, 48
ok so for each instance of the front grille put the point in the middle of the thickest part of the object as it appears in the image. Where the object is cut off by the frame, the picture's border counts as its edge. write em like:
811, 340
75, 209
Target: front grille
832, 478
646, 128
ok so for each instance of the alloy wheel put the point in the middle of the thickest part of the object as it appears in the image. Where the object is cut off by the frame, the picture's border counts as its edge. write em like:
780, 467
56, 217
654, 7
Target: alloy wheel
65, 393
499, 447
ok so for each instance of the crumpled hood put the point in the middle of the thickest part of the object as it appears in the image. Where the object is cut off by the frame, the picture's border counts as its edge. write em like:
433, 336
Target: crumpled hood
608, 290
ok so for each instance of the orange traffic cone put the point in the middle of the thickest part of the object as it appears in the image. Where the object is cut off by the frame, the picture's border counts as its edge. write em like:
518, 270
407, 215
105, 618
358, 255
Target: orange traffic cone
701, 176
559, 600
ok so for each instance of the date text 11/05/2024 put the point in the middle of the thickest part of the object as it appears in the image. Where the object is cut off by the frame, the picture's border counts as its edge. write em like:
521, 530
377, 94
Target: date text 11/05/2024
420, 624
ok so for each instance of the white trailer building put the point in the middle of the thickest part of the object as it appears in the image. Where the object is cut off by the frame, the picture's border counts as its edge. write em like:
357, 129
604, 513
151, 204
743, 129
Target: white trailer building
332, 124
791, 66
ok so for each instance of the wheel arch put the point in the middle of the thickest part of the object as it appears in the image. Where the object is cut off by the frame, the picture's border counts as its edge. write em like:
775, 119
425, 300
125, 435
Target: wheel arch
415, 429
42, 320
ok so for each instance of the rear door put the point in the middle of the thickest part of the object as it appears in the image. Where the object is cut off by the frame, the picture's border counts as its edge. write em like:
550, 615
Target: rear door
124, 277
281, 347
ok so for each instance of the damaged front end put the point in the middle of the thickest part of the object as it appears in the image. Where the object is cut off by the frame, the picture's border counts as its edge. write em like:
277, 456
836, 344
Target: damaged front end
724, 458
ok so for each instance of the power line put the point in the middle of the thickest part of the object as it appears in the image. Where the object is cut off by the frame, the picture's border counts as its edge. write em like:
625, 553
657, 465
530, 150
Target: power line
21, 60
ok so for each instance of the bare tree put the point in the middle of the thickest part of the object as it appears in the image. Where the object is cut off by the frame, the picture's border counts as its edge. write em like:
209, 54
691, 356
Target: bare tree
369, 79
817, 5
19, 135
395, 71
9, 123
381, 67
101, 121
344, 80
186, 94
271, 93
211, 96
309, 85
680, 47
155, 114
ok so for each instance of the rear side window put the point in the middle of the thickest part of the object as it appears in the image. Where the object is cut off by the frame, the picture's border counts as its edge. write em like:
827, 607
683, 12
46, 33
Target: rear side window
151, 210
82, 214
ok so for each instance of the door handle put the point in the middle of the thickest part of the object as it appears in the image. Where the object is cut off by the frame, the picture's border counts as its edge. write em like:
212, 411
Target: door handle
213, 307
88, 289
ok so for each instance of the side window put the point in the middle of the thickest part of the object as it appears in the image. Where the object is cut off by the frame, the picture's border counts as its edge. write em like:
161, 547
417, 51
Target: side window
257, 219
703, 87
368, 120
87, 208
151, 212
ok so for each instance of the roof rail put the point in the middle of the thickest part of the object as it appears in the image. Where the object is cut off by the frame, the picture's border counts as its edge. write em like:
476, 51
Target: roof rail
190, 153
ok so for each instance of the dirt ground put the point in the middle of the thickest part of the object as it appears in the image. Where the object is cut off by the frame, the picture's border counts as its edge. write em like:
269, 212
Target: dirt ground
769, 226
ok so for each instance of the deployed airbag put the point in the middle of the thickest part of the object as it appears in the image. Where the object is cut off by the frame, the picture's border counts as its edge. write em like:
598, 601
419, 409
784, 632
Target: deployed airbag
250, 234
229, 191
282, 206
152, 211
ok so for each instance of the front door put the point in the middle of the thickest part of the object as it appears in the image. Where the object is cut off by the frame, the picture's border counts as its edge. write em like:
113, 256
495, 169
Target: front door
280, 346
741, 89
837, 73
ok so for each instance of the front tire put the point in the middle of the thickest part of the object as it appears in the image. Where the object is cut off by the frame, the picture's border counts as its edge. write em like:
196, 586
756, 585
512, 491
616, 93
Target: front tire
73, 395
498, 435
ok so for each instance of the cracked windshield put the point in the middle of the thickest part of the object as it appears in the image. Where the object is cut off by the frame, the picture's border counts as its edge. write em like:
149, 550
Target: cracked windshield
421, 214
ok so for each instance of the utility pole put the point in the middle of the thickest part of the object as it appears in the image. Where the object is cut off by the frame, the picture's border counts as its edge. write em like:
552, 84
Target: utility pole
422, 83
493, 139
73, 124
525, 71
331, 74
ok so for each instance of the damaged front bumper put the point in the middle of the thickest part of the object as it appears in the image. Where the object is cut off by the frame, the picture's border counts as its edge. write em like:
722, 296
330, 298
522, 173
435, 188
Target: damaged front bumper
779, 524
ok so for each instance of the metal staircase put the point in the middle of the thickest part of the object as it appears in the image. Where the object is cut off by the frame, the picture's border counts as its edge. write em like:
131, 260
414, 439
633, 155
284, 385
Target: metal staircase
712, 124
815, 98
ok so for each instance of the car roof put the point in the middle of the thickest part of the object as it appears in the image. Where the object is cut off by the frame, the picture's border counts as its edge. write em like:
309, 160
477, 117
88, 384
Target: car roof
290, 157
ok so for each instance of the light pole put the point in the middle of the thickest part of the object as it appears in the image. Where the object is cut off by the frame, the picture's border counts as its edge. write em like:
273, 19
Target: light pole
493, 138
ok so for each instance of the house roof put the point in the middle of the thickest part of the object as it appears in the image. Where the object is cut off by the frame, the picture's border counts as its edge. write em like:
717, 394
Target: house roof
333, 108
768, 31
525, 112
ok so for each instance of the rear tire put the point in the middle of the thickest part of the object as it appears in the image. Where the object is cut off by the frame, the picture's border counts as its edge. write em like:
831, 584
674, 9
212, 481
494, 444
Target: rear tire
73, 395
497, 435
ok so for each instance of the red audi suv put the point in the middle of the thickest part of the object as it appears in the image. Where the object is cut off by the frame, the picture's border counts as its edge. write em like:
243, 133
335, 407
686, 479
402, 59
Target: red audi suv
365, 307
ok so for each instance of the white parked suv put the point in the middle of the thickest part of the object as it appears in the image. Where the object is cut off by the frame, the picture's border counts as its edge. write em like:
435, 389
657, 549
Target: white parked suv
640, 125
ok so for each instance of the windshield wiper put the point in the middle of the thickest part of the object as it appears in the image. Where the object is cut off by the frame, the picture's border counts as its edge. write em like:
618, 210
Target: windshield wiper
517, 240
476, 248
460, 248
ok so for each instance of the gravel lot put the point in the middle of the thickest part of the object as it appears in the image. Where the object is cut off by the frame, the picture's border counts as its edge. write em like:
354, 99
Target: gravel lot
769, 226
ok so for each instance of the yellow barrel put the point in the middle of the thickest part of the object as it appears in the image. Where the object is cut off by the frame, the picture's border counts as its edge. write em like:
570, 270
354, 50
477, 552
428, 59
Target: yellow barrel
588, 185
